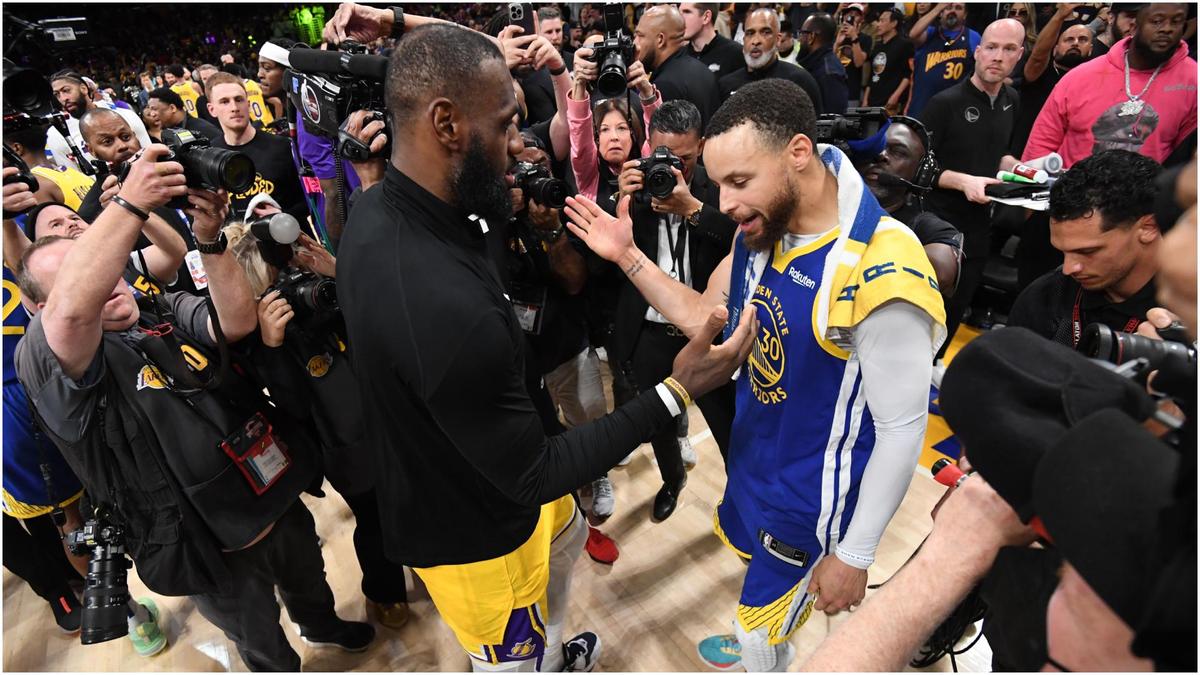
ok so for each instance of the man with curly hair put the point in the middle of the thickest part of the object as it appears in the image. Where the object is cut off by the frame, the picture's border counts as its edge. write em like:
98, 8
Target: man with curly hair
1102, 219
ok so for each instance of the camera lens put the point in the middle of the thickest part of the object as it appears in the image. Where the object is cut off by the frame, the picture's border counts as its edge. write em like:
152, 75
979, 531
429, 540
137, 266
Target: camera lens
549, 192
1101, 342
106, 597
218, 167
660, 181
26, 91
320, 295
612, 80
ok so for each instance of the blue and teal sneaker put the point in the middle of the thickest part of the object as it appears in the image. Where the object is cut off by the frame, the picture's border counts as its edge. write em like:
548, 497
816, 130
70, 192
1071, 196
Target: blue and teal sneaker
720, 652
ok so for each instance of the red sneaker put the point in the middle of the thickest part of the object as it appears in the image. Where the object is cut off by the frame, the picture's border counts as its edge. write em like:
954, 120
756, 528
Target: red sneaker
601, 547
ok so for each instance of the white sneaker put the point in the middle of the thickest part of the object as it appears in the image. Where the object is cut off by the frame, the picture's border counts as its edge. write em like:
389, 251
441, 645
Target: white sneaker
603, 499
627, 460
687, 452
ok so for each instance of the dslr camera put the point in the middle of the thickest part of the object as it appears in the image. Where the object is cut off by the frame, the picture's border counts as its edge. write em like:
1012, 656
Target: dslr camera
614, 53
105, 594
326, 86
658, 179
1172, 356
538, 185
29, 103
856, 124
204, 167
313, 297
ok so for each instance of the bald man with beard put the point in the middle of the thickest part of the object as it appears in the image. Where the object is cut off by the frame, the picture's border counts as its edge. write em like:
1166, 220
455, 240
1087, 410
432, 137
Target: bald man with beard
659, 44
761, 52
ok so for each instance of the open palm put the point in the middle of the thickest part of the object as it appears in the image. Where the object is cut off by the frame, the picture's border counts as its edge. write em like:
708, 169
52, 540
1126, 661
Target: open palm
608, 237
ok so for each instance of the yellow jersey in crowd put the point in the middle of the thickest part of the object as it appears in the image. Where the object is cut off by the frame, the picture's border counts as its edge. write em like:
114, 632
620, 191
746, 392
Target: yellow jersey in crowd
189, 96
259, 111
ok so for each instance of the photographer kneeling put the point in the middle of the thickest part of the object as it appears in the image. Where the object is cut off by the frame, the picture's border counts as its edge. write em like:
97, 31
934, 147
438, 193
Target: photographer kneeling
303, 360
677, 222
195, 471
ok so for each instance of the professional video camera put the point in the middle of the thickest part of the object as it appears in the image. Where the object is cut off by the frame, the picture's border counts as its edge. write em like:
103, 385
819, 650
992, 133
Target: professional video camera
326, 86
204, 167
105, 594
856, 124
614, 53
29, 102
538, 185
658, 179
1172, 356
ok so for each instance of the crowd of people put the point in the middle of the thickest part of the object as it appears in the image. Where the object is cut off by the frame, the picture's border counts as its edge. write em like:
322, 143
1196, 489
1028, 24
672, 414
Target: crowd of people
782, 214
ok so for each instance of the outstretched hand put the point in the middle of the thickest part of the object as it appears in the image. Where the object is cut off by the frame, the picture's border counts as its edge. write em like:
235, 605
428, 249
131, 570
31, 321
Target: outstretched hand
608, 237
702, 366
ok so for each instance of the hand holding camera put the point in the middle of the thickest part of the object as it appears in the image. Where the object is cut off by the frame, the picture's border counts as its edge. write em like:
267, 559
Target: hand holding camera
544, 218
208, 213
152, 179
111, 186
630, 182
640, 81
368, 129
18, 197
274, 313
680, 201
586, 69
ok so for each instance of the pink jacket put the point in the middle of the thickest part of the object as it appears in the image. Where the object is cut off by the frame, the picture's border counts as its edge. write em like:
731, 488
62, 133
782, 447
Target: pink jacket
585, 160
1082, 115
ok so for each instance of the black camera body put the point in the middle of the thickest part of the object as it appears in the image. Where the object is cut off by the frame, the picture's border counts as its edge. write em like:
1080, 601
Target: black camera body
28, 103
539, 185
204, 167
614, 53
658, 180
106, 593
326, 87
313, 297
855, 124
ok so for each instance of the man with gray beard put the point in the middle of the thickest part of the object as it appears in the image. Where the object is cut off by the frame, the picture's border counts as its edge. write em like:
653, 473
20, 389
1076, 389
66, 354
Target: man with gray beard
759, 47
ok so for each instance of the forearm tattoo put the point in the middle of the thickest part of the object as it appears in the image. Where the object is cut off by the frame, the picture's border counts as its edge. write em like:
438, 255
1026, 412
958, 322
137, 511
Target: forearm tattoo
636, 267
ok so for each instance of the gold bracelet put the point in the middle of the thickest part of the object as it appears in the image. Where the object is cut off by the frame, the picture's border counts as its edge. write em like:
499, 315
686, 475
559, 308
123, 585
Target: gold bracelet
674, 386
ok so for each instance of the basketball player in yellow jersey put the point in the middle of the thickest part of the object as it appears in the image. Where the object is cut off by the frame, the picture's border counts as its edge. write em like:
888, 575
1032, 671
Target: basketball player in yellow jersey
189, 91
260, 112
66, 186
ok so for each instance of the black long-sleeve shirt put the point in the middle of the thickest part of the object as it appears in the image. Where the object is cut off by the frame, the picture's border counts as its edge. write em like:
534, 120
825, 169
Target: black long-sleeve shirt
463, 464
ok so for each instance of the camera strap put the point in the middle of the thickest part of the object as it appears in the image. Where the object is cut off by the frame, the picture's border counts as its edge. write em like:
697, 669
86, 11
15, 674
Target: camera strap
1077, 321
57, 515
678, 248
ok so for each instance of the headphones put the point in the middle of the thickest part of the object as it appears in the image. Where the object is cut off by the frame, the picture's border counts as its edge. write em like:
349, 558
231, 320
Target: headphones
927, 169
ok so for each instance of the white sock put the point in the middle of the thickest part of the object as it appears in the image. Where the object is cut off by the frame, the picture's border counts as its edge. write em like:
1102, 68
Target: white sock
758, 655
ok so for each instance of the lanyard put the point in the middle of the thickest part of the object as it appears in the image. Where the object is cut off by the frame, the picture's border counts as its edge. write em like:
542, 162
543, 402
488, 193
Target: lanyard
677, 248
1077, 324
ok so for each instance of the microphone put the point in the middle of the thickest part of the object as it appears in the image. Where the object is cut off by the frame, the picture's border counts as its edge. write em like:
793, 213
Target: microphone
947, 472
317, 61
893, 180
280, 228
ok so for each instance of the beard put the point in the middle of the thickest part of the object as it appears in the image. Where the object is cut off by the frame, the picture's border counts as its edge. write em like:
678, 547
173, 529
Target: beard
775, 220
80, 107
477, 187
1069, 60
950, 22
1152, 58
756, 63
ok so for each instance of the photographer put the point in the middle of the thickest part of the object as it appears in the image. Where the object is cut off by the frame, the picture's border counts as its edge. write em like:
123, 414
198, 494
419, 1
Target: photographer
660, 48
686, 235
164, 449
1102, 219
605, 137
302, 358
469, 483
762, 59
172, 115
272, 155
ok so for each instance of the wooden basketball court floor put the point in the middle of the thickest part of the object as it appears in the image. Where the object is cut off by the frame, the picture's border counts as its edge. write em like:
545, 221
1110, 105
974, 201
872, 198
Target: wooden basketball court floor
673, 585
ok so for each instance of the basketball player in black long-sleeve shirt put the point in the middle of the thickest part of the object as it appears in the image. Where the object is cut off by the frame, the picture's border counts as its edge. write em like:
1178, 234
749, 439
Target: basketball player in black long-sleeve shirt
472, 492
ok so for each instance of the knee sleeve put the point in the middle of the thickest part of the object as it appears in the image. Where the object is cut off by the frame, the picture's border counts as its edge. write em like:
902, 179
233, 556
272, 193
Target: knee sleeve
758, 654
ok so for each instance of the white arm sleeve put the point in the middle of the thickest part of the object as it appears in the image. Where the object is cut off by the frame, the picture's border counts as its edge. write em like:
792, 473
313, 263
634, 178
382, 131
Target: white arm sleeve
895, 350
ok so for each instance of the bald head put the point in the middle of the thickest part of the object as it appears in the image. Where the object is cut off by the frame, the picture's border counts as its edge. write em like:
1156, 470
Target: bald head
108, 135
999, 50
98, 117
659, 34
767, 15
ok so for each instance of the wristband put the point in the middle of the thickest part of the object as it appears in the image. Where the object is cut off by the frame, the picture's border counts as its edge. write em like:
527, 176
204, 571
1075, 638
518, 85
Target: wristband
678, 390
551, 236
119, 201
652, 98
397, 22
215, 248
559, 71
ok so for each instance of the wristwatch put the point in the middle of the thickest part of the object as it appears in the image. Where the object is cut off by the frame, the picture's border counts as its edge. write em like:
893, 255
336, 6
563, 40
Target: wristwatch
693, 218
397, 21
215, 248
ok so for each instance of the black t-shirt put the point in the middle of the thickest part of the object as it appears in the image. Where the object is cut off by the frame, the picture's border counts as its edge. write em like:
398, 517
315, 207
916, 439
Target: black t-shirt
970, 133
202, 128
463, 460
276, 175
682, 77
890, 65
1047, 307
722, 56
927, 226
539, 95
854, 74
779, 69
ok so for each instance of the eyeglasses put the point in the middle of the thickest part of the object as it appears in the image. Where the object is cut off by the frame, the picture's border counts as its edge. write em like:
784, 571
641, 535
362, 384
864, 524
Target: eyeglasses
1014, 13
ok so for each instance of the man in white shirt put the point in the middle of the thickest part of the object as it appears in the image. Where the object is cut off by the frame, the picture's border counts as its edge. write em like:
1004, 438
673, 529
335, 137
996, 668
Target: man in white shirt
75, 98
